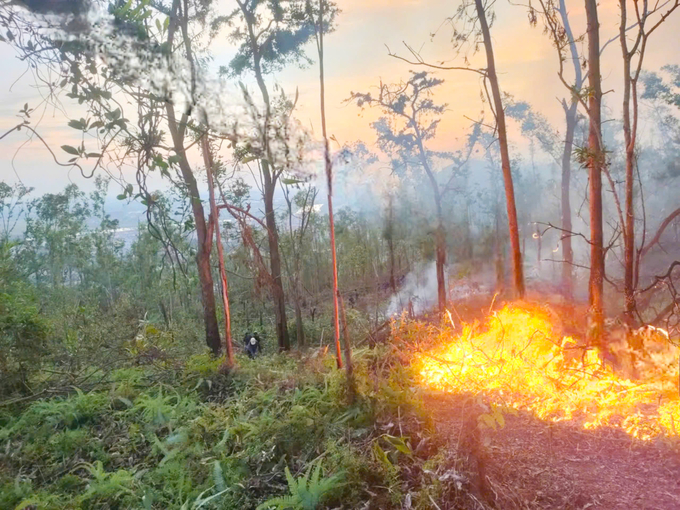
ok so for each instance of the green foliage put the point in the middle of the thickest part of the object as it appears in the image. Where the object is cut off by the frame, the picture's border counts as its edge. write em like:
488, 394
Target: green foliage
150, 438
306, 491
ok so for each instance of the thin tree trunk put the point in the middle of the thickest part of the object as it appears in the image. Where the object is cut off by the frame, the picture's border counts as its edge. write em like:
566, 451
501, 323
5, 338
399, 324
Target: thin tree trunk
629, 141
275, 262
347, 347
440, 232
299, 324
595, 163
571, 121
203, 233
215, 214
567, 250
390, 241
329, 178
517, 269
269, 187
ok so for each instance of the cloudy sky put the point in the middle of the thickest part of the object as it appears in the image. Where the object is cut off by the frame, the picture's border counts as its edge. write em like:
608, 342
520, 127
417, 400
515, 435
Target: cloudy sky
356, 60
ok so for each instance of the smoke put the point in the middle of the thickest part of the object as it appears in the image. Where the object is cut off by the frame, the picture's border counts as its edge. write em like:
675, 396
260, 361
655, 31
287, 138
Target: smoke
419, 288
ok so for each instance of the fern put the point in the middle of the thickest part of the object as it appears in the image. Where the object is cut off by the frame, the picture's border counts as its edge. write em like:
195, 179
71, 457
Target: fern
306, 492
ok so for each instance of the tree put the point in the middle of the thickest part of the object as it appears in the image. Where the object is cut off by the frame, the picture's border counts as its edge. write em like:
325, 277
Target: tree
595, 160
154, 67
322, 21
476, 31
304, 201
210, 169
410, 103
270, 35
499, 112
557, 23
631, 75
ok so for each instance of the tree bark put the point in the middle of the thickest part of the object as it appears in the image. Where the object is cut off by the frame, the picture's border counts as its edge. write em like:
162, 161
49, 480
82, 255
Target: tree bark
329, 181
517, 269
275, 261
203, 233
629, 141
269, 187
595, 164
215, 214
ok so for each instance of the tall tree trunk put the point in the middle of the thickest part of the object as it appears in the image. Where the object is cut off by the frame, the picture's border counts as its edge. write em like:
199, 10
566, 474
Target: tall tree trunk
595, 163
567, 250
571, 121
629, 140
517, 269
275, 260
329, 180
440, 232
203, 233
269, 187
215, 215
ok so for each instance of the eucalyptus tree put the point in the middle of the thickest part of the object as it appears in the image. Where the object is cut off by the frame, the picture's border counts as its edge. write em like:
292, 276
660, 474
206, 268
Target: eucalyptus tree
144, 55
471, 28
269, 35
412, 118
322, 17
633, 54
558, 27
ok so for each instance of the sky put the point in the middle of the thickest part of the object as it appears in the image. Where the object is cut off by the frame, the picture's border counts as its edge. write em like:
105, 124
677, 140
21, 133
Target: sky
356, 60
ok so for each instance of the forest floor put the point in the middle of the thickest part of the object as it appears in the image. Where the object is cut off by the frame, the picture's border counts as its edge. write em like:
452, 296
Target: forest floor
532, 464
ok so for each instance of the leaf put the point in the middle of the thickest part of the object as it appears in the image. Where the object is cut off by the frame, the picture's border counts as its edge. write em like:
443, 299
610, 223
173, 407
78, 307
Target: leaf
121, 197
218, 477
399, 443
486, 420
70, 150
126, 401
26, 503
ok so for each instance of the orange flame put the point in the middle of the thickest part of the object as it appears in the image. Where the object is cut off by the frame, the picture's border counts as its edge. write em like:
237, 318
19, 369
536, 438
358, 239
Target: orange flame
521, 361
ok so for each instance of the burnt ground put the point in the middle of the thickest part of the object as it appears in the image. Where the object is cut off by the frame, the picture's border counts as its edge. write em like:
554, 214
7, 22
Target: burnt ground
532, 464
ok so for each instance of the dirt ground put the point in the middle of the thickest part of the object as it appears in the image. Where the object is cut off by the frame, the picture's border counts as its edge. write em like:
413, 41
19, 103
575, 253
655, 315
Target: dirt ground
531, 464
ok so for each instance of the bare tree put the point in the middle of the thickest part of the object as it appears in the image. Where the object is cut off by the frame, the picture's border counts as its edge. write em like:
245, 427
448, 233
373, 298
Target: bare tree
595, 160
499, 112
323, 23
559, 29
475, 25
411, 102
631, 75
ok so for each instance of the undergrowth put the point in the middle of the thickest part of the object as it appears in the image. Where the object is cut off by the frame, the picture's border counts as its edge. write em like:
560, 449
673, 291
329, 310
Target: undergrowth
277, 432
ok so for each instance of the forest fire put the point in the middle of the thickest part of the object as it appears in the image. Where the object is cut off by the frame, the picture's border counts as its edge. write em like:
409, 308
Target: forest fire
520, 360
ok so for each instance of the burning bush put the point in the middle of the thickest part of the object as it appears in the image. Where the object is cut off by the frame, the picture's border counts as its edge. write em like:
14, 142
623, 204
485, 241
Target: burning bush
521, 359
